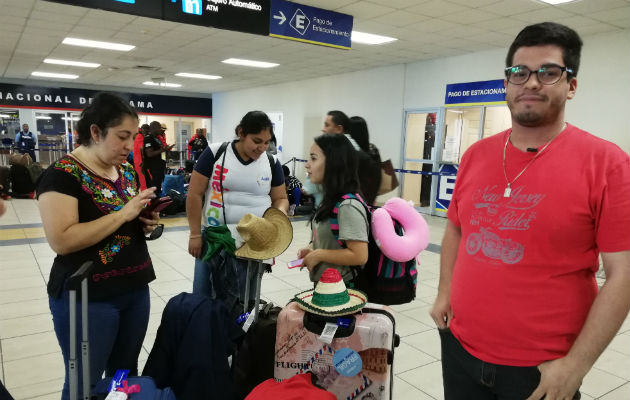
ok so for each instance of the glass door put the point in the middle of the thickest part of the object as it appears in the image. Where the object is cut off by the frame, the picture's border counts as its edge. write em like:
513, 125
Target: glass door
419, 157
9, 127
51, 136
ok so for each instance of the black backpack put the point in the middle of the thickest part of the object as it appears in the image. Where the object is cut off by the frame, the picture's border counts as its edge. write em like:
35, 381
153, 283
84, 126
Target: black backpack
383, 280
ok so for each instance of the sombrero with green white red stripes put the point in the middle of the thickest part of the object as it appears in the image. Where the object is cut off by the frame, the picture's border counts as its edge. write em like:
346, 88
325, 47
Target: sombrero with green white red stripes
331, 297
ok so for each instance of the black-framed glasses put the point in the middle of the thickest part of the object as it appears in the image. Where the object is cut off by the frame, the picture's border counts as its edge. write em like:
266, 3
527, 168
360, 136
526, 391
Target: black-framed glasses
547, 74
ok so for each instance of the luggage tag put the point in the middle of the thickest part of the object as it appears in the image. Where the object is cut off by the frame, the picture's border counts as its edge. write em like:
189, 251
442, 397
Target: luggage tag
116, 396
250, 318
328, 334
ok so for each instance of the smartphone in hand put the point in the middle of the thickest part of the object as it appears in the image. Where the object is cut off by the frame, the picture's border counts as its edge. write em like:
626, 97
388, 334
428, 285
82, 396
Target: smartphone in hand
156, 205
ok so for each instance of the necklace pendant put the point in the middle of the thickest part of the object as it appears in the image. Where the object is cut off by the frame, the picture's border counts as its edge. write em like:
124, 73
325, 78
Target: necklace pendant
507, 192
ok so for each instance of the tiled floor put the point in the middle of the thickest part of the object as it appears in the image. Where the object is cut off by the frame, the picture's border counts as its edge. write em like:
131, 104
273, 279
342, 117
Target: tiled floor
31, 364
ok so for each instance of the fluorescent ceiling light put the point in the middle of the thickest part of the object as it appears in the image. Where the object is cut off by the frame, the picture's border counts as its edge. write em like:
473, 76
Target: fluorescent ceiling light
98, 45
556, 1
42, 117
198, 76
250, 63
71, 118
54, 75
5, 116
369, 38
162, 84
71, 63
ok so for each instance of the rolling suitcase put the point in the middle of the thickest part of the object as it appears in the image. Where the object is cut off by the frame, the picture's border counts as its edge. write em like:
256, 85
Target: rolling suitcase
148, 390
358, 361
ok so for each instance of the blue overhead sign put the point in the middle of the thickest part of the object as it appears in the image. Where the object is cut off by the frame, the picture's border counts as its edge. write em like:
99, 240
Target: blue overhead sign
295, 21
475, 93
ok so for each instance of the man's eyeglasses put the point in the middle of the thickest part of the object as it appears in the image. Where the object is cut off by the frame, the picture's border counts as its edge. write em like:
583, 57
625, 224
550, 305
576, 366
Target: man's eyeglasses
547, 74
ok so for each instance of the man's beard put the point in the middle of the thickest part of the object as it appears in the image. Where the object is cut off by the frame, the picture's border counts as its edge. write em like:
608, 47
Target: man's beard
529, 119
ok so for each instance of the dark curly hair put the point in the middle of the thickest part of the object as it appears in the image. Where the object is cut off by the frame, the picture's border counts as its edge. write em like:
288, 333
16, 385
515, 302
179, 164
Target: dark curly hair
105, 110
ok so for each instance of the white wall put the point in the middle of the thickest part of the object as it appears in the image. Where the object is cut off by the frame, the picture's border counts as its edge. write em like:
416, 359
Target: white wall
601, 105
376, 95
381, 95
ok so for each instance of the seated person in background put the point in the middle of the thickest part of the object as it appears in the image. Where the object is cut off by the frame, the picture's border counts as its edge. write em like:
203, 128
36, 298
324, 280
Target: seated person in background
294, 189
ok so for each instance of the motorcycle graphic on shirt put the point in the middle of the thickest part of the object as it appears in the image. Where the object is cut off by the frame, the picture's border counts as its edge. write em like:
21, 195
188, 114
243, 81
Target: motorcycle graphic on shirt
494, 247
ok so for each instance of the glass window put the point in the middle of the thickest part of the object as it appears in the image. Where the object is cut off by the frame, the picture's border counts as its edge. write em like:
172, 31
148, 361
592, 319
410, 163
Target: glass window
461, 130
51, 136
497, 120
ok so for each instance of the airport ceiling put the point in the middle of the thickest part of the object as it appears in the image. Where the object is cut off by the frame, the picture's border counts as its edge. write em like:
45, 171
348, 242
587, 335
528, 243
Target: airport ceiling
32, 30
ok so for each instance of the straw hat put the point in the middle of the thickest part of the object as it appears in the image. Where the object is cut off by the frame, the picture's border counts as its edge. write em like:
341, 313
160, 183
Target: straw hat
265, 237
330, 297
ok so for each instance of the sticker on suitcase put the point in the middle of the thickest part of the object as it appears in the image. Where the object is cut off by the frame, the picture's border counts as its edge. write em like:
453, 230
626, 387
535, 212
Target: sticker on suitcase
352, 367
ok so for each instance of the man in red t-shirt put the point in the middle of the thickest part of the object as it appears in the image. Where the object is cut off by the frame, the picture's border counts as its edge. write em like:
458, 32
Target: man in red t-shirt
518, 307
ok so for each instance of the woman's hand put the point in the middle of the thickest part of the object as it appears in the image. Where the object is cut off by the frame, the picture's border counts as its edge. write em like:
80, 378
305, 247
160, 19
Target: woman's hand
149, 224
303, 252
195, 245
132, 209
311, 260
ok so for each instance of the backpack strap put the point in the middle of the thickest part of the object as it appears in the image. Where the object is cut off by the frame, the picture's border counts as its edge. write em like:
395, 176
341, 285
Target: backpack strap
334, 220
221, 150
272, 162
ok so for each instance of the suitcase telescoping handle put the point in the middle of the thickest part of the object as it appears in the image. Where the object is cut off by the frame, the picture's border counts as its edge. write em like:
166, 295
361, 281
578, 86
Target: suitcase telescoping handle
79, 279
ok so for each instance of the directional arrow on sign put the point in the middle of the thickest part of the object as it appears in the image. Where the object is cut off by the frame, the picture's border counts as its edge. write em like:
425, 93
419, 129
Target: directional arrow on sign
281, 17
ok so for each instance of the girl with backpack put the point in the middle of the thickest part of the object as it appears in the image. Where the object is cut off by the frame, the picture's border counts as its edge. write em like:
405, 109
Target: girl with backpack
332, 163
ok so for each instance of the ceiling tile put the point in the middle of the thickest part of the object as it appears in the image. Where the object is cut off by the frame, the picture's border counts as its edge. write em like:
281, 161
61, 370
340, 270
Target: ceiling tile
401, 3
598, 29
437, 8
609, 15
470, 16
432, 25
328, 4
365, 10
474, 3
588, 7
400, 18
546, 14
511, 7
30, 30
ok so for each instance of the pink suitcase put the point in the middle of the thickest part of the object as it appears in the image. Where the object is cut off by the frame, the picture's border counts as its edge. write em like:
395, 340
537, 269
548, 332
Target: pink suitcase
371, 335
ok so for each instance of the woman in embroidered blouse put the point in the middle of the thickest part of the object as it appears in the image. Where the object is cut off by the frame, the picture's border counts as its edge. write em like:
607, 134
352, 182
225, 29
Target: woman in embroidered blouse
90, 205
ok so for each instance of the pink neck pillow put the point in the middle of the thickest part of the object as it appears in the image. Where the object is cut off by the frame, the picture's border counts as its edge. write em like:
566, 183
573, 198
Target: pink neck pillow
395, 247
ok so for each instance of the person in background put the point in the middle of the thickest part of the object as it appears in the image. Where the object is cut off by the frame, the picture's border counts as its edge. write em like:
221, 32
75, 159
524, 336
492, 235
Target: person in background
294, 189
518, 309
154, 167
197, 144
25, 142
91, 205
332, 163
243, 179
369, 167
138, 150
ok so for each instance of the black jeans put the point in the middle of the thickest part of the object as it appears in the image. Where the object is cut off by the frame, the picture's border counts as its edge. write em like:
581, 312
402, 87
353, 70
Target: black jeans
467, 377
